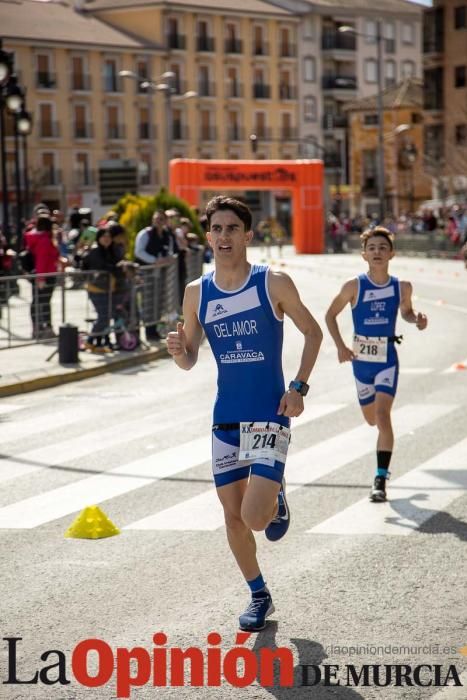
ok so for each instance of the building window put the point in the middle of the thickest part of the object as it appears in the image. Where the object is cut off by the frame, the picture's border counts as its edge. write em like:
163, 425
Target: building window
207, 132
460, 17
45, 78
459, 76
233, 86
389, 33
144, 123
308, 27
49, 173
461, 134
309, 69
145, 169
371, 70
309, 108
259, 43
232, 43
260, 125
142, 71
80, 79
370, 31
177, 84
48, 128
175, 40
408, 33
390, 73
408, 69
369, 184
112, 82
370, 119
83, 176
115, 129
287, 130
234, 130
82, 124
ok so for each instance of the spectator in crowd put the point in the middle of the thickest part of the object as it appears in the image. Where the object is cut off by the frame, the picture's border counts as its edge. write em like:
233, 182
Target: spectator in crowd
39, 241
430, 222
151, 244
119, 237
101, 258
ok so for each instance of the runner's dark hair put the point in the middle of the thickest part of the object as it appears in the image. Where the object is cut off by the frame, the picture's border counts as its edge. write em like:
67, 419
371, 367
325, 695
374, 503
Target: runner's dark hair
377, 231
223, 203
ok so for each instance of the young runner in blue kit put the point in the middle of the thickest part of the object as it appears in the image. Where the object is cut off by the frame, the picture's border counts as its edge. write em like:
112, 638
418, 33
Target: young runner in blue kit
375, 298
240, 307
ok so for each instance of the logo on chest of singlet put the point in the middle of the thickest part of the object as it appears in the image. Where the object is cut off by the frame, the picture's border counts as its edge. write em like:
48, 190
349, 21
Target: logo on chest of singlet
373, 294
235, 304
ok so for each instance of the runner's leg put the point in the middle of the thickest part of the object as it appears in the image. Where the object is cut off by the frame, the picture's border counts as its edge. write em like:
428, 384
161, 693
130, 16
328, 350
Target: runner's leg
259, 505
240, 537
383, 406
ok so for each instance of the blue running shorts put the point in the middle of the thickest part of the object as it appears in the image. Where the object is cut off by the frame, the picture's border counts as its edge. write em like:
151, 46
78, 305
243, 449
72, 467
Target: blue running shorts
225, 465
370, 377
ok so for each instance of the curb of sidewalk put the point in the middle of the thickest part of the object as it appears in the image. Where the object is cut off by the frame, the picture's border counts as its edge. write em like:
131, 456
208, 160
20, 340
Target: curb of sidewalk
75, 375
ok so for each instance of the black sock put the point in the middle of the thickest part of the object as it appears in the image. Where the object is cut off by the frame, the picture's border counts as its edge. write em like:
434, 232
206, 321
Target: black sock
383, 459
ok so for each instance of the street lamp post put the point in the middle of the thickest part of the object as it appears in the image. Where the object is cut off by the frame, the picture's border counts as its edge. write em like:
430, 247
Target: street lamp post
5, 73
380, 111
168, 89
22, 128
11, 100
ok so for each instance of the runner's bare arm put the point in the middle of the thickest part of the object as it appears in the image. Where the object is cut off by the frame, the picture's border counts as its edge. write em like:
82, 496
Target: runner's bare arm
407, 311
347, 295
286, 300
183, 344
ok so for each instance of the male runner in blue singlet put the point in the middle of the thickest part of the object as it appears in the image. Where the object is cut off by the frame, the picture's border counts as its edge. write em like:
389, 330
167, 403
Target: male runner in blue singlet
241, 307
375, 298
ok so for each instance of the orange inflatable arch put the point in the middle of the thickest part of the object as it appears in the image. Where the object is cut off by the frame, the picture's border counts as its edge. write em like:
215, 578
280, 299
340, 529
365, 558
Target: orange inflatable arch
304, 179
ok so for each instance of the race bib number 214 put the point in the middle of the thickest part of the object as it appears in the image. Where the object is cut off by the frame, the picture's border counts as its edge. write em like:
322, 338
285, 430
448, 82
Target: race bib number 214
269, 440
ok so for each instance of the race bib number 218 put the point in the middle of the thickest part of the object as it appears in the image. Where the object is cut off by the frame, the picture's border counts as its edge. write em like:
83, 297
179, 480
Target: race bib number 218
269, 440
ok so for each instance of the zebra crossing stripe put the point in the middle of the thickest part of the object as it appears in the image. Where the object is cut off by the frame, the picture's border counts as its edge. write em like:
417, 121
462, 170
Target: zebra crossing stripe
67, 499
413, 499
59, 454
34, 511
204, 512
9, 408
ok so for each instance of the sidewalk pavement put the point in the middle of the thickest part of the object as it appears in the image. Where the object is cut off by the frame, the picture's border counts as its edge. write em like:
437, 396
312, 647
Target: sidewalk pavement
29, 368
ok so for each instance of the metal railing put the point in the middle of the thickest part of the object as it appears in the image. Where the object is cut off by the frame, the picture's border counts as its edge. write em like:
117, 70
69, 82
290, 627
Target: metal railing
32, 306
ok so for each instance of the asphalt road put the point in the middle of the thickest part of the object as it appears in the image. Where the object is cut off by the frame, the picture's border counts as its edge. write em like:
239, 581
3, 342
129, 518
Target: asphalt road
353, 583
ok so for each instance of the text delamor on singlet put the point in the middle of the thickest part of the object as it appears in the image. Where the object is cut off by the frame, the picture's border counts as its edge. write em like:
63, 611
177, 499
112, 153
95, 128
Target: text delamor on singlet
227, 330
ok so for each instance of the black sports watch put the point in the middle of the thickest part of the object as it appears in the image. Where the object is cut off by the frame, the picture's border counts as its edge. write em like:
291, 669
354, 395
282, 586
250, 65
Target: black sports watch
301, 387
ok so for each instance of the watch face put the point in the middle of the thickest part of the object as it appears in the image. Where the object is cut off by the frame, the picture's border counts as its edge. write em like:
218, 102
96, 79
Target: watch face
301, 387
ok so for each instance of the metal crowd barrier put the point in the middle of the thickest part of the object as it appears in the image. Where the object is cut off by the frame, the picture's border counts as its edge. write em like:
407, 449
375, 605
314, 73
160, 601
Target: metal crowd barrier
32, 307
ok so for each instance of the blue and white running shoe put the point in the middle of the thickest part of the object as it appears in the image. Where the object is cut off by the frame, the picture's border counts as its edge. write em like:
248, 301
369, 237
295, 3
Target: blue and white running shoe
254, 617
280, 524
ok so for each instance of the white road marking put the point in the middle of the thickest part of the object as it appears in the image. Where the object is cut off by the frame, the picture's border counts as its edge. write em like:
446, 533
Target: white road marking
204, 512
413, 498
82, 445
56, 503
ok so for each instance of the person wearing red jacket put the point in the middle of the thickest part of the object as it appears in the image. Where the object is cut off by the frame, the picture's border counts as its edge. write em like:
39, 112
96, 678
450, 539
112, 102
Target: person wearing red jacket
46, 255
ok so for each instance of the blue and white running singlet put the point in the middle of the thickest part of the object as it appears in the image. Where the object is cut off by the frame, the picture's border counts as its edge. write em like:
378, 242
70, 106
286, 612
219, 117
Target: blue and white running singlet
374, 317
246, 339
245, 336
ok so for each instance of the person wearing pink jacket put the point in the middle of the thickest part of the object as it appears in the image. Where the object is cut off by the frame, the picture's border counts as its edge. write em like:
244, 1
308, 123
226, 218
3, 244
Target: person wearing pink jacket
46, 255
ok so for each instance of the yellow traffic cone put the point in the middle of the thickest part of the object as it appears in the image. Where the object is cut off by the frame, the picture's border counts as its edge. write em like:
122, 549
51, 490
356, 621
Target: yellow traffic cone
92, 524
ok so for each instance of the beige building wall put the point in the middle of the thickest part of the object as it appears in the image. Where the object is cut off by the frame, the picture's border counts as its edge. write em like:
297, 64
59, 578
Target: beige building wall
406, 183
455, 100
